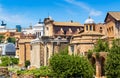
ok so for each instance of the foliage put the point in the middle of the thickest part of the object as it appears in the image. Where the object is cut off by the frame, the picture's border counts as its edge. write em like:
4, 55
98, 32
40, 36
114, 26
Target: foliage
42, 71
27, 63
89, 55
101, 46
64, 51
1, 38
14, 60
13, 69
97, 55
11, 40
112, 66
6, 60
70, 66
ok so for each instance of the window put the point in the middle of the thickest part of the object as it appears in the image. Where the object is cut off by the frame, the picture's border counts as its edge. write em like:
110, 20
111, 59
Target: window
93, 28
64, 32
40, 33
90, 27
100, 28
47, 28
107, 30
86, 27
112, 28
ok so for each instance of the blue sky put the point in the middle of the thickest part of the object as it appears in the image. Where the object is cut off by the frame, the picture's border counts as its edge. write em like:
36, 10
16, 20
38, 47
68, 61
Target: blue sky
26, 12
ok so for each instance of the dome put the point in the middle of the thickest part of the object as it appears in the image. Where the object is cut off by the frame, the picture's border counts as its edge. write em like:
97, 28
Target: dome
89, 21
38, 25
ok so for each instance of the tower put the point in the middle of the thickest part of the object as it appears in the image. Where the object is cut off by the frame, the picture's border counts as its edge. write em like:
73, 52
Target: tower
89, 25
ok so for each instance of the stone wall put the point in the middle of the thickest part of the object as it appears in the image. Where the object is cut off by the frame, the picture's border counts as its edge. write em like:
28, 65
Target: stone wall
4, 71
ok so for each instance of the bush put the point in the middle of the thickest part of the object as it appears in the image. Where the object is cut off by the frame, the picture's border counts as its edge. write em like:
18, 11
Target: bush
63, 66
6, 60
42, 71
14, 60
27, 63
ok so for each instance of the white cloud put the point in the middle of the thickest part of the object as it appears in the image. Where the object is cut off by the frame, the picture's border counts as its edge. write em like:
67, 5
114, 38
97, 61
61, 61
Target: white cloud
95, 13
92, 12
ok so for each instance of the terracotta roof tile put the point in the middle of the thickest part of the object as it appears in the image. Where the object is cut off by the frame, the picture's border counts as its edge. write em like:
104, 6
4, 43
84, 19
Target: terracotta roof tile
115, 15
67, 24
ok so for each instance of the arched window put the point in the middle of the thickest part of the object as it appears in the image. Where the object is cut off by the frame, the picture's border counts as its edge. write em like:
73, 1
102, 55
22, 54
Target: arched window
86, 27
90, 27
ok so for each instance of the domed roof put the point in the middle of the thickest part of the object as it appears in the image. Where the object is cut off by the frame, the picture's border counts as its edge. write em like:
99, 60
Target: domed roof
39, 24
89, 21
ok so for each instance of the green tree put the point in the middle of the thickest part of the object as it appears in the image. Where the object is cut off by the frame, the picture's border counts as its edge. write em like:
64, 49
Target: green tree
101, 46
113, 61
11, 40
14, 60
1, 38
6, 61
70, 66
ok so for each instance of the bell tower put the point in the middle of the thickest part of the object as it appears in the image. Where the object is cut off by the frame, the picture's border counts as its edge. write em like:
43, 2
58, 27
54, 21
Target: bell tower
89, 25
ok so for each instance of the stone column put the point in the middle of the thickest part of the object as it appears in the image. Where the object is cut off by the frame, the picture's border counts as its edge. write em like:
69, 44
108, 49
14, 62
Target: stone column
98, 69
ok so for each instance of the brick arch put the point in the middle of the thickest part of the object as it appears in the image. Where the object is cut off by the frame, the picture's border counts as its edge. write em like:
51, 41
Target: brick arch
100, 63
102, 54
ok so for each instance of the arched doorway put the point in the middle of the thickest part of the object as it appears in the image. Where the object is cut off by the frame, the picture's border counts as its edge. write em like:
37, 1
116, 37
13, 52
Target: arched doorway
102, 60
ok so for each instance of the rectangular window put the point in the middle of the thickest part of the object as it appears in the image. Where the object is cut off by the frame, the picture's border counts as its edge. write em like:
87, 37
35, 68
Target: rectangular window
40, 33
86, 27
90, 27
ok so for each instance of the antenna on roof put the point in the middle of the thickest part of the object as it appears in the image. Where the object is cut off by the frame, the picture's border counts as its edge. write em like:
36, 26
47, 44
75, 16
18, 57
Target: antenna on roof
49, 17
48, 14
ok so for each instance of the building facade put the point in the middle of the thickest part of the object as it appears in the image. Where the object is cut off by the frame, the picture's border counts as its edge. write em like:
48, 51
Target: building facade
84, 41
112, 22
43, 48
56, 37
63, 29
